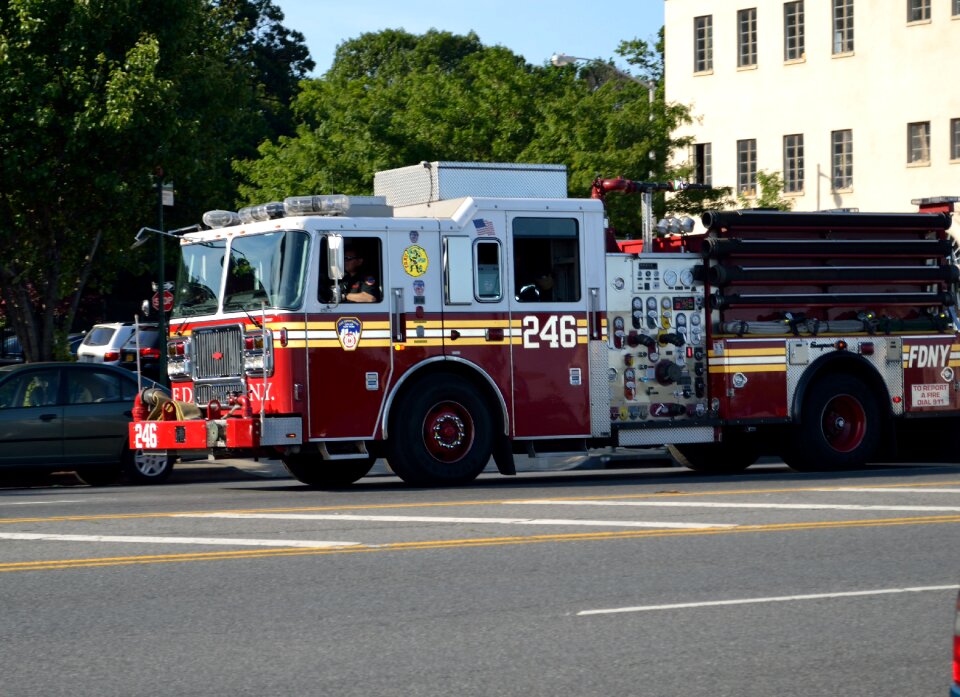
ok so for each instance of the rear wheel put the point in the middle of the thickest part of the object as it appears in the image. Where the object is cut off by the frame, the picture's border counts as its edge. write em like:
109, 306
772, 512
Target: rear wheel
840, 427
441, 434
327, 474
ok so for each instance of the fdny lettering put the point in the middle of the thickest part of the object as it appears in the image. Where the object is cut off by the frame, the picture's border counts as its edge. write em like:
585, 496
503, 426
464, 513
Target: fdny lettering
183, 393
555, 332
928, 356
257, 389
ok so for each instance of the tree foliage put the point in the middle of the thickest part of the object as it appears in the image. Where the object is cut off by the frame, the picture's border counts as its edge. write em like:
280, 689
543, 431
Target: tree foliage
393, 99
97, 98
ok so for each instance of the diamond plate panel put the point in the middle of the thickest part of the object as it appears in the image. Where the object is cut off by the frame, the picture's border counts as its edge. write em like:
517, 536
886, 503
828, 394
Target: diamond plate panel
665, 436
282, 431
440, 181
599, 389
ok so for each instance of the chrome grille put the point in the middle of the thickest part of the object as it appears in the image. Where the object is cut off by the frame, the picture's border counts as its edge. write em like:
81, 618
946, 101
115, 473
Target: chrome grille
220, 391
217, 353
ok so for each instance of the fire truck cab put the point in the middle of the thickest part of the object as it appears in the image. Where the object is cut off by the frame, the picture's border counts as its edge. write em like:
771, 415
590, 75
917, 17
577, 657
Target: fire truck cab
495, 322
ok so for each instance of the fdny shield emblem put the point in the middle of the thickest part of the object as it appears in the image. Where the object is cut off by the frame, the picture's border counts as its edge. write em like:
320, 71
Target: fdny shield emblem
349, 330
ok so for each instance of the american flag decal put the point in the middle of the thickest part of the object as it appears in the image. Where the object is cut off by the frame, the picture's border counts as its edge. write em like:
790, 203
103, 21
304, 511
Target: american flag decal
484, 227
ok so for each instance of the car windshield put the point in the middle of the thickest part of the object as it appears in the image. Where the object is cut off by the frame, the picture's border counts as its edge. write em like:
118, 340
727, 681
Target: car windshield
148, 339
267, 269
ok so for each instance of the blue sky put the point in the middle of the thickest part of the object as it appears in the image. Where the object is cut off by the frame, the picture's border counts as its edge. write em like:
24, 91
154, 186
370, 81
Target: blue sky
534, 29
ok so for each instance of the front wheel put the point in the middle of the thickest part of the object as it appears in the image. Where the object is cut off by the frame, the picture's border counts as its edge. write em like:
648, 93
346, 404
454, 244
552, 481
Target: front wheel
839, 429
441, 434
324, 474
147, 467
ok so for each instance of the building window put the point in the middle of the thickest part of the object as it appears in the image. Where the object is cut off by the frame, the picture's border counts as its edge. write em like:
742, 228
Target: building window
842, 26
793, 48
955, 137
956, 8
702, 157
747, 38
918, 10
703, 43
747, 167
918, 143
793, 163
841, 145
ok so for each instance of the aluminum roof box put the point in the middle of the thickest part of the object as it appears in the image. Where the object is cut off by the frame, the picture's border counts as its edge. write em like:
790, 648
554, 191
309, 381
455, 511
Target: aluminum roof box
439, 181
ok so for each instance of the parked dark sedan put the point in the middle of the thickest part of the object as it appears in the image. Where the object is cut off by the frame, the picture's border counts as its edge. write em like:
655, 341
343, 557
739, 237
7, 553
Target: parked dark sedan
73, 416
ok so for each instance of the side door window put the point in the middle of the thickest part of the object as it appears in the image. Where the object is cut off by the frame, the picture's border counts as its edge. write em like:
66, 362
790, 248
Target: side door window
363, 272
92, 387
546, 260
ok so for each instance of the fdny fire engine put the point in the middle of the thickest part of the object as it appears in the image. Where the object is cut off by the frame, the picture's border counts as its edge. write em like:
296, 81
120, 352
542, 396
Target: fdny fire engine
500, 320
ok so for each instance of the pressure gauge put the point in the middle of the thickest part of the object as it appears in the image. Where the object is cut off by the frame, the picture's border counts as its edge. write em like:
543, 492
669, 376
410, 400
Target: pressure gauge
686, 277
666, 303
670, 277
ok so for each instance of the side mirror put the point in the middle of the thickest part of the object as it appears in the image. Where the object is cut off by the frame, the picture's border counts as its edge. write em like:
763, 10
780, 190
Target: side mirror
335, 263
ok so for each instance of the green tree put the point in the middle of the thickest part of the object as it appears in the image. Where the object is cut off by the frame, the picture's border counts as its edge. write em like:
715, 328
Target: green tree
96, 99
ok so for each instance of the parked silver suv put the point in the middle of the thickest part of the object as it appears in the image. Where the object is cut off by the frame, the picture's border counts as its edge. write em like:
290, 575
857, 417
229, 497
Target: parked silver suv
103, 342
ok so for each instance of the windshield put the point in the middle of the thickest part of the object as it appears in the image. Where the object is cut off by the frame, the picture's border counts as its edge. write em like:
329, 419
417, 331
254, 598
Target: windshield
198, 278
268, 269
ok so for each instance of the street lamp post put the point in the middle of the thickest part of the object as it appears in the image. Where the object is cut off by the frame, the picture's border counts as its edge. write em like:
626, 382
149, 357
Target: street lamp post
561, 59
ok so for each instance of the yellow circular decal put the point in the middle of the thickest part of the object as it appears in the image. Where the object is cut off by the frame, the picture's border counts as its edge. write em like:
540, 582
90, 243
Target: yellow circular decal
415, 261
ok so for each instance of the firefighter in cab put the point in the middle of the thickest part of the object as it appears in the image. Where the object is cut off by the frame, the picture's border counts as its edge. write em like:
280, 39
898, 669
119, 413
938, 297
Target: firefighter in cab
359, 285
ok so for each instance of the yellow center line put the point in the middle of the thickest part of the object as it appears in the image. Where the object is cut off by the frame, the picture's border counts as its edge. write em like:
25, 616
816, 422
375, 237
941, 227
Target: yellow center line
60, 564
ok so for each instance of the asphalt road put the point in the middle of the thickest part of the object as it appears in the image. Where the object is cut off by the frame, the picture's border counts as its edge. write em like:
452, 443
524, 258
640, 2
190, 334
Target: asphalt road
593, 582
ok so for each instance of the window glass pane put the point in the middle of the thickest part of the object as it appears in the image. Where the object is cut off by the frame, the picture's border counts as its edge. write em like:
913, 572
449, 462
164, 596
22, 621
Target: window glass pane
35, 388
457, 267
918, 10
747, 167
703, 43
362, 279
747, 37
488, 270
702, 163
546, 258
793, 38
793, 163
955, 137
842, 26
918, 135
956, 7
92, 387
842, 159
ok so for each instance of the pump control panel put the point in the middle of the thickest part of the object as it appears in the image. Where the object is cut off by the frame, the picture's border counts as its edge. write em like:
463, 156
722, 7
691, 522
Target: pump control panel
656, 324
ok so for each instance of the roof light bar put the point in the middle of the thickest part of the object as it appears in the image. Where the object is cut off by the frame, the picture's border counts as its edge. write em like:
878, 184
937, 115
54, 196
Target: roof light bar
262, 212
218, 219
335, 204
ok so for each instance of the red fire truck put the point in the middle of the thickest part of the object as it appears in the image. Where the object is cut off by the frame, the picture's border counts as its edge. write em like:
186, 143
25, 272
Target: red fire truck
501, 321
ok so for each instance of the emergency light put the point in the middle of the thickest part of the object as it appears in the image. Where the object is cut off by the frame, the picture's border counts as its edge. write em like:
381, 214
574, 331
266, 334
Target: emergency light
218, 219
262, 212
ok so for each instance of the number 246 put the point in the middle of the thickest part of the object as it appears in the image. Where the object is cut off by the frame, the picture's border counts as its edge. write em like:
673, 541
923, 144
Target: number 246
556, 332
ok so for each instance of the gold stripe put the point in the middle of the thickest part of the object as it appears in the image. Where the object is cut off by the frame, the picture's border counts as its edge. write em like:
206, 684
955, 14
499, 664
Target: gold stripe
772, 368
781, 351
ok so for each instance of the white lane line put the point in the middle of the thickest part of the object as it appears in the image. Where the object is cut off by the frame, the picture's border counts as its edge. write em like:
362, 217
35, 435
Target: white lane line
718, 504
445, 519
47, 502
217, 541
893, 490
775, 599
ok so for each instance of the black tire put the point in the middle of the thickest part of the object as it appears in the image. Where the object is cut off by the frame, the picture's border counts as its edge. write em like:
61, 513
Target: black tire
840, 427
714, 458
104, 475
314, 471
139, 467
441, 434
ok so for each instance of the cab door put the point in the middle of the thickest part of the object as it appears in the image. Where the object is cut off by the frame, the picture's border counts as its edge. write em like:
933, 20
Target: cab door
548, 299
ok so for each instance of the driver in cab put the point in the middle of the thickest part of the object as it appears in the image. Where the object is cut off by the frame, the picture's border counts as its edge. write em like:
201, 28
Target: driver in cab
357, 286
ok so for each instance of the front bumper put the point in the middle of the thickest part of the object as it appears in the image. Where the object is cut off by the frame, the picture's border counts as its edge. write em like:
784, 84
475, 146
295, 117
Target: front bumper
234, 433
